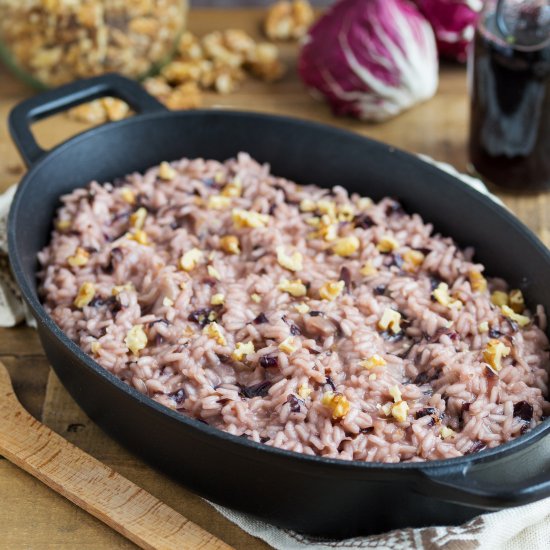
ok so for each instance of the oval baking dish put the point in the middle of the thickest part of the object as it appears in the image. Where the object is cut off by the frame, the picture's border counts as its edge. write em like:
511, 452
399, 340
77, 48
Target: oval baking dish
309, 494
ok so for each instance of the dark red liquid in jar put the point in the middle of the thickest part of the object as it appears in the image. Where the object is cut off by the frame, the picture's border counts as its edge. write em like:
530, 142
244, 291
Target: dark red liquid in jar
510, 111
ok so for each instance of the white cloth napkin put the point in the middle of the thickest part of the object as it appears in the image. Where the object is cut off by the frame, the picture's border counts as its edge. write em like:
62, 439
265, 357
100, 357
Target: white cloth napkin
523, 528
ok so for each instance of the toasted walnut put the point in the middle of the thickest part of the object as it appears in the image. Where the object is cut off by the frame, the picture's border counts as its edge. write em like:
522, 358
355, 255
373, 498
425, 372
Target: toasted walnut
183, 97
85, 295
331, 290
233, 188
166, 172
391, 320
79, 258
294, 288
446, 432
477, 281
95, 347
499, 298
288, 345
307, 205
256, 298
117, 289
230, 244
521, 320
137, 219
237, 40
167, 302
346, 212
139, 236
178, 72
214, 331
373, 362
63, 225
400, 411
189, 47
337, 403
368, 269
346, 246
242, 350
292, 263
327, 207
128, 195
218, 202
483, 327
217, 49
217, 299
395, 392
413, 259
516, 300
190, 259
304, 391
247, 218
494, 352
288, 21
441, 294
265, 64
136, 339
213, 272
387, 244
301, 308
158, 87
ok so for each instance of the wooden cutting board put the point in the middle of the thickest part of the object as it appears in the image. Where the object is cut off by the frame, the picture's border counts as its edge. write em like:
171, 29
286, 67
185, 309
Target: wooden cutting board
32, 516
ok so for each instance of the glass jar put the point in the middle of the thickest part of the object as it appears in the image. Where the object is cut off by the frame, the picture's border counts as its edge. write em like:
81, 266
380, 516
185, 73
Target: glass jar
52, 42
510, 94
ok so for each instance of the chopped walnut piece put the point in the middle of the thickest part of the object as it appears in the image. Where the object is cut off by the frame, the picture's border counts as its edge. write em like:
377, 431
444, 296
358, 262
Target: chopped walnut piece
288, 345
230, 244
85, 295
441, 294
242, 350
521, 320
213, 330
217, 299
331, 290
166, 172
288, 21
373, 362
304, 391
247, 218
337, 403
499, 298
387, 244
79, 258
400, 411
346, 246
494, 352
190, 259
390, 319
477, 281
292, 263
294, 288
218, 202
136, 339
516, 300
137, 219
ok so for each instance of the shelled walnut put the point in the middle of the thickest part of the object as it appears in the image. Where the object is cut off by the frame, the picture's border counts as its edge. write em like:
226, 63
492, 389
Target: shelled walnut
288, 20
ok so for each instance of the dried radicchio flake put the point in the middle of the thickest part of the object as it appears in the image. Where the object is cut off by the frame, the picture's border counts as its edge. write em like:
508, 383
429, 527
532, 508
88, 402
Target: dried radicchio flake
379, 290
261, 319
427, 411
316, 313
443, 331
395, 207
476, 447
494, 333
363, 221
394, 259
178, 396
435, 282
295, 330
264, 439
489, 372
514, 327
391, 336
466, 406
345, 275
268, 361
159, 340
523, 410
330, 382
257, 390
294, 403
422, 378
203, 316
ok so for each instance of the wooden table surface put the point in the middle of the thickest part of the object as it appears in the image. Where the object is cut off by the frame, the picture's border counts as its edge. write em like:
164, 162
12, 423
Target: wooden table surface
32, 516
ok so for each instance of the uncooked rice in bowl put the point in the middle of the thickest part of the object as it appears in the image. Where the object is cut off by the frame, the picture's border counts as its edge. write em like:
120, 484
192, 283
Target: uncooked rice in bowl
303, 318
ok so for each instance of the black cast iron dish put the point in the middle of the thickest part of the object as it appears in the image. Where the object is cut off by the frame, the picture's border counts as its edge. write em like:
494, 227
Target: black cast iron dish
309, 494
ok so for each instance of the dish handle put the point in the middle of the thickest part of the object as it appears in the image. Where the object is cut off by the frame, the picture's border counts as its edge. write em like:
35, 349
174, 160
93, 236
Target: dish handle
71, 95
460, 487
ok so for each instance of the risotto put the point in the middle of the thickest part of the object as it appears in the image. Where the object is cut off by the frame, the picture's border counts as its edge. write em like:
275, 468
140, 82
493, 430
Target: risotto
303, 318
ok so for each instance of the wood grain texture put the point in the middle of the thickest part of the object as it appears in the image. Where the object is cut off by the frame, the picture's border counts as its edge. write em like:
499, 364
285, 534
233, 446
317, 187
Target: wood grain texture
90, 484
37, 518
